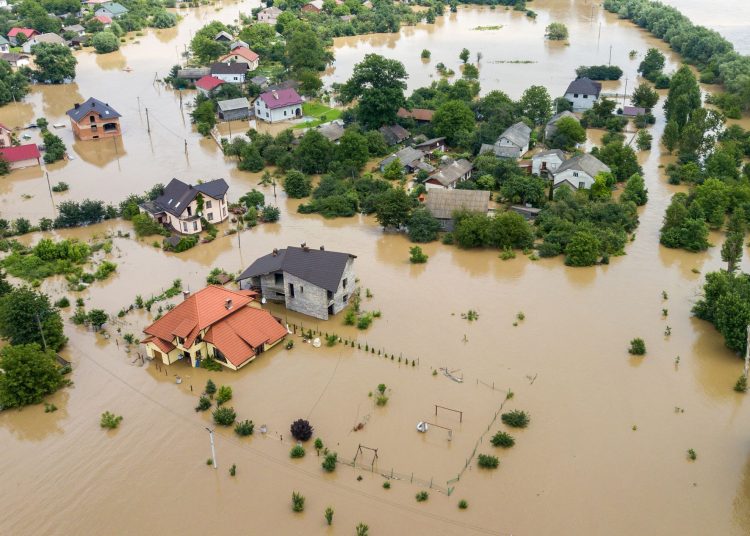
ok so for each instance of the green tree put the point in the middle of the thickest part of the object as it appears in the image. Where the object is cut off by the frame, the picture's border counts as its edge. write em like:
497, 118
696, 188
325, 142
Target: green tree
352, 151
305, 51
23, 312
684, 97
54, 63
394, 171
454, 119
600, 190
54, 147
583, 249
671, 136
464, 55
568, 134
376, 144
652, 64
470, 72
314, 153
29, 374
635, 190
105, 42
13, 85
422, 226
297, 184
644, 96
378, 85
97, 318
621, 159
519, 188
556, 31
393, 208
536, 104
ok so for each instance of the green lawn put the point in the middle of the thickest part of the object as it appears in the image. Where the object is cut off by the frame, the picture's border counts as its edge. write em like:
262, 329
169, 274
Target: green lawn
320, 112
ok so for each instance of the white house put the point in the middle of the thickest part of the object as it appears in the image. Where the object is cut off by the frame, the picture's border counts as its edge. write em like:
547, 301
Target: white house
449, 175
512, 143
51, 38
578, 172
278, 105
4, 45
233, 73
582, 93
242, 55
547, 161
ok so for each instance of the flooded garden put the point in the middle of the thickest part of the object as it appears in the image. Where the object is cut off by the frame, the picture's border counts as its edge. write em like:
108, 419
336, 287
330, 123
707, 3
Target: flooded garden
605, 449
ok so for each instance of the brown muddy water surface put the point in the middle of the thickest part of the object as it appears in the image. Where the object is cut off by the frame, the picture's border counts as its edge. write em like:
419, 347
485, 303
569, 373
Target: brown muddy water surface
580, 467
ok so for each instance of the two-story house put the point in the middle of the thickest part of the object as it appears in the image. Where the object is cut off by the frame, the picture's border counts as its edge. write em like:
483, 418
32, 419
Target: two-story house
94, 119
513, 143
314, 282
242, 54
182, 206
582, 93
578, 172
278, 105
233, 73
226, 325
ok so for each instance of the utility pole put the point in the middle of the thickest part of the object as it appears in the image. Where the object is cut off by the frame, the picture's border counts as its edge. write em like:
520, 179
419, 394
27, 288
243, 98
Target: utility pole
626, 92
230, 129
44, 341
49, 187
148, 123
213, 450
139, 104
610, 55
180, 99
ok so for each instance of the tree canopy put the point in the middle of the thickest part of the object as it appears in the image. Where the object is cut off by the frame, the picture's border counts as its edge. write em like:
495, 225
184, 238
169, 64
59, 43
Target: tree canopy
378, 84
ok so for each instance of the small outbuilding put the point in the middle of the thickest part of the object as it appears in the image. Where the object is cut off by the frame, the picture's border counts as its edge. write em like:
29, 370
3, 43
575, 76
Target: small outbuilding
234, 109
21, 156
394, 134
547, 161
442, 203
207, 84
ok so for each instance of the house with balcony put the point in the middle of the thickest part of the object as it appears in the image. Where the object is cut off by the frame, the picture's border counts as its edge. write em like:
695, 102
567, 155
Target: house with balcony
94, 119
313, 282
228, 326
182, 205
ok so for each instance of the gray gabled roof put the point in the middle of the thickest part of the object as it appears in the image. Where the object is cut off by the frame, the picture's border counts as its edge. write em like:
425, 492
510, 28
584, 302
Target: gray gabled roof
443, 203
555, 118
407, 156
450, 173
233, 104
332, 131
178, 195
584, 86
583, 162
229, 68
104, 110
518, 134
74, 28
557, 152
319, 267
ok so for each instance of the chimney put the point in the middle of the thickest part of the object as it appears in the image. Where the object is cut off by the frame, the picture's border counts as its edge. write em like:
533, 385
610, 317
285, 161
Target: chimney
93, 104
275, 95
275, 252
77, 105
322, 248
228, 304
185, 295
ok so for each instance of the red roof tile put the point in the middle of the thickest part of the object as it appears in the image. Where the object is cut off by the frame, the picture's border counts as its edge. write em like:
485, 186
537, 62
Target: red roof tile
242, 52
20, 152
208, 82
238, 335
418, 114
280, 98
28, 32
104, 19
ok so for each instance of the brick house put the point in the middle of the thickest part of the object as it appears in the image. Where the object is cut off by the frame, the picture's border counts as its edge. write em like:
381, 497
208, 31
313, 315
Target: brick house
94, 119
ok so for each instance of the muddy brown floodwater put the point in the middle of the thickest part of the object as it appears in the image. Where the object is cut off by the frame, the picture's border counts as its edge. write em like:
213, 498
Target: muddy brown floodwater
606, 449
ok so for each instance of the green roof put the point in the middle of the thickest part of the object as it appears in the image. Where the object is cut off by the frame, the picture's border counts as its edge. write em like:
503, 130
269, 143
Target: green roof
3, 41
114, 8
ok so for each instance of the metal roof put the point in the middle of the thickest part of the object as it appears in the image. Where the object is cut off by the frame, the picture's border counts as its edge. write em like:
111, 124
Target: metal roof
104, 110
583, 162
584, 86
443, 203
233, 104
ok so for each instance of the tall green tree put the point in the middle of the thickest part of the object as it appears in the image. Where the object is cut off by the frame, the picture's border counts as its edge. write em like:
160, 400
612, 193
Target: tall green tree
378, 84
393, 208
454, 120
536, 104
314, 153
26, 316
305, 51
29, 374
54, 63
684, 97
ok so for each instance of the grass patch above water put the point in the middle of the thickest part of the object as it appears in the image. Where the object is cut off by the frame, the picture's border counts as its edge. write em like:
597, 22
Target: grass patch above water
487, 28
321, 113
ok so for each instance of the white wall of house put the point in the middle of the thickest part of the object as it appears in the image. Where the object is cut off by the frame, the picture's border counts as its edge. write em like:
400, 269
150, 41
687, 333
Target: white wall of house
580, 179
231, 78
214, 210
262, 111
505, 142
552, 162
236, 58
580, 101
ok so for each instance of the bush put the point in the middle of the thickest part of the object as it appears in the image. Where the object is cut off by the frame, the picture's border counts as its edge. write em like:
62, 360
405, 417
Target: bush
244, 428
224, 416
298, 451
426, 54
110, 421
329, 462
145, 225
556, 31
105, 42
422, 496
210, 389
60, 187
637, 347
328, 515
487, 461
741, 385
503, 439
387, 484
462, 504
298, 502
516, 419
223, 395
416, 256
62, 302
297, 185
29, 374
203, 404
301, 430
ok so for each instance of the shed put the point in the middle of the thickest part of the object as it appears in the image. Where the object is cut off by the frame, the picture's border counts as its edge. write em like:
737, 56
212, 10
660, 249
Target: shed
394, 134
234, 109
443, 203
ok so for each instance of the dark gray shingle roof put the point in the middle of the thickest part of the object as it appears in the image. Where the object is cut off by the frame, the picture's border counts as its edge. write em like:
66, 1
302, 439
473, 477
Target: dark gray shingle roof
228, 68
177, 195
321, 268
584, 86
103, 109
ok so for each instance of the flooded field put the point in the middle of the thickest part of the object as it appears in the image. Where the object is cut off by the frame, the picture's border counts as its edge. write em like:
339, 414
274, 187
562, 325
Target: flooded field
606, 449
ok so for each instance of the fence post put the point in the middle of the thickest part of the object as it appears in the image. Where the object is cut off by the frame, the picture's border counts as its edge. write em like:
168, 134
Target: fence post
412, 479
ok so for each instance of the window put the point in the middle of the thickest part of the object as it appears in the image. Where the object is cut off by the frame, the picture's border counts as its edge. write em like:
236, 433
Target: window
575, 173
197, 354
180, 340
195, 226
278, 279
185, 226
210, 216
581, 184
585, 96
208, 204
187, 354
92, 119
575, 95
224, 211
343, 283
291, 290
329, 295
346, 298
284, 112
301, 289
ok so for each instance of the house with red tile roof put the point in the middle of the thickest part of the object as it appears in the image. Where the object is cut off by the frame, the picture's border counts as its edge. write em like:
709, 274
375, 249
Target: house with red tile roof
278, 105
105, 20
207, 84
217, 323
242, 55
21, 156
27, 33
421, 115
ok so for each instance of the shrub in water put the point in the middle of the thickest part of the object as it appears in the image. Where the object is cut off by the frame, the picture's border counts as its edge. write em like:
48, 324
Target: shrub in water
422, 496
741, 385
487, 461
203, 404
244, 428
318, 444
329, 463
691, 454
223, 395
463, 505
503, 439
516, 419
387, 484
224, 416
328, 514
301, 430
110, 421
298, 502
233, 470
637, 347
210, 388
298, 451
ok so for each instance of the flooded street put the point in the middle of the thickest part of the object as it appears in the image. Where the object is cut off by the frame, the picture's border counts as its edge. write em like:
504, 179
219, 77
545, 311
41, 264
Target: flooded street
605, 452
